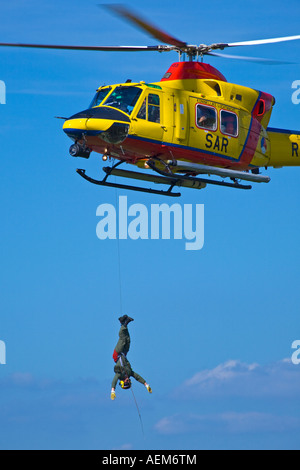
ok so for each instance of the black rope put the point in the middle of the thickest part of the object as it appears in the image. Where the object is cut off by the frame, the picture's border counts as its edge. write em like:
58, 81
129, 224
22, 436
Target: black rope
137, 407
138, 411
119, 260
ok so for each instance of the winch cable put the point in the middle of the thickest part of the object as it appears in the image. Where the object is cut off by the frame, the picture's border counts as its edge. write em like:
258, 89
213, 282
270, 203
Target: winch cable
137, 407
119, 257
138, 411
121, 309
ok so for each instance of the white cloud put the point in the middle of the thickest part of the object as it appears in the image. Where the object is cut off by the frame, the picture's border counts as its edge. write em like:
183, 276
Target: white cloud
228, 422
124, 447
235, 378
19, 379
226, 371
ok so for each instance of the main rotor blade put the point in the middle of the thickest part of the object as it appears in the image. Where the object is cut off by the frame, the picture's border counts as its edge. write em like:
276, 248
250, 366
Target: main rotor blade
91, 48
250, 59
144, 25
263, 41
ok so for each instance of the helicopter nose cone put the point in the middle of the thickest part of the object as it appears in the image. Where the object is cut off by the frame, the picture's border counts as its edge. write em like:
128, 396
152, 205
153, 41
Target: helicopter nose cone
109, 124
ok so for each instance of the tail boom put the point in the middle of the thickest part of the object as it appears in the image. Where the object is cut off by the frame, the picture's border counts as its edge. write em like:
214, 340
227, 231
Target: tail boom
285, 147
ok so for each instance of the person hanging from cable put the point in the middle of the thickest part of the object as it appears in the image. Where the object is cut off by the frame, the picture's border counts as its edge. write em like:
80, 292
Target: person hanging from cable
123, 370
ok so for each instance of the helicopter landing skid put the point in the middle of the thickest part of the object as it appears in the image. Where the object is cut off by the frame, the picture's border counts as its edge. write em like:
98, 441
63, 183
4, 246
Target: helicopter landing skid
135, 175
184, 179
163, 177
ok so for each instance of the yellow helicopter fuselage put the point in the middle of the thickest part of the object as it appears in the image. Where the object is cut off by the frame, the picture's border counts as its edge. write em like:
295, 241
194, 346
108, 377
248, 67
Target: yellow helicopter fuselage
192, 115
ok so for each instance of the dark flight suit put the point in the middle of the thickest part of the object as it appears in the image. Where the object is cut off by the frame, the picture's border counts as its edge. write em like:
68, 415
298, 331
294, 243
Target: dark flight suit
123, 345
124, 371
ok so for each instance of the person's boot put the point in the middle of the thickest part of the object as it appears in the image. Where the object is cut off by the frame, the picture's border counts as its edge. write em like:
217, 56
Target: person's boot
122, 319
128, 320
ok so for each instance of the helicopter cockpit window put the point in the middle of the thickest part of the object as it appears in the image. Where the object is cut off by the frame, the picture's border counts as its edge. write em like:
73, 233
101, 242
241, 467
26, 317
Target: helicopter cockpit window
229, 123
206, 117
99, 97
124, 98
150, 109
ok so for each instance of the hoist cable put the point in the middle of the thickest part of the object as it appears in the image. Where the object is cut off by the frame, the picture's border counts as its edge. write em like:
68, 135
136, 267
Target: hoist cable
119, 258
137, 407
138, 411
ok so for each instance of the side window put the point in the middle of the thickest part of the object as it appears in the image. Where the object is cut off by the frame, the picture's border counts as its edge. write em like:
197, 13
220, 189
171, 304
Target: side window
142, 114
229, 123
150, 109
153, 108
206, 117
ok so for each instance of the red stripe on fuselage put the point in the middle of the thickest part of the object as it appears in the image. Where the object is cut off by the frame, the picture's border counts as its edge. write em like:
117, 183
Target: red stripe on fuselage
252, 142
134, 149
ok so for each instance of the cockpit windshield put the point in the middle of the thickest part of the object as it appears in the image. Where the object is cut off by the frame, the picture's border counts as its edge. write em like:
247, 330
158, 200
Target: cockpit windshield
100, 96
124, 98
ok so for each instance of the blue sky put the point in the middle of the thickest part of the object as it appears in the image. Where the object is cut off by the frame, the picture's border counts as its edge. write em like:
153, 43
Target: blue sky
213, 329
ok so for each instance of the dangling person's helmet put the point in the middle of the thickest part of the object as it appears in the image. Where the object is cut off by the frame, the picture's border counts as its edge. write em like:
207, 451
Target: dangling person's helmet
125, 384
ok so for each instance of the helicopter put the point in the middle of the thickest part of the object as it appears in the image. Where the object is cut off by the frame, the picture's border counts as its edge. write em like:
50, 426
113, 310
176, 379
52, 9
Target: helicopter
181, 130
